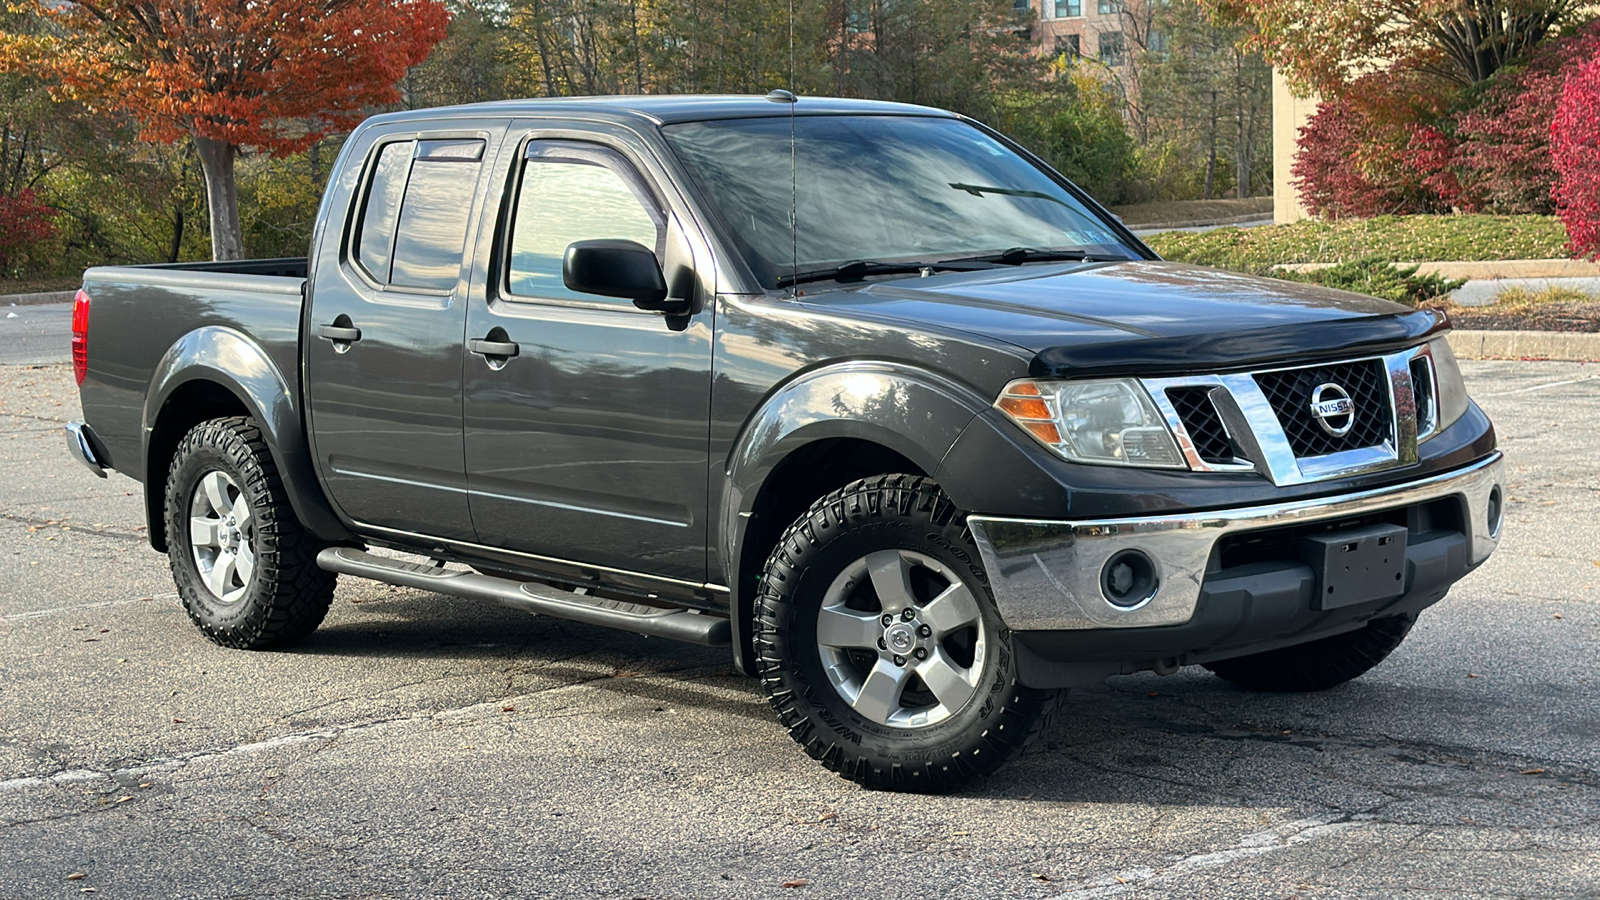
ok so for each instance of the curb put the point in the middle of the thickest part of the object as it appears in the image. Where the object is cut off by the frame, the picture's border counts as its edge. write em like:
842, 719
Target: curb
1489, 270
36, 299
1564, 346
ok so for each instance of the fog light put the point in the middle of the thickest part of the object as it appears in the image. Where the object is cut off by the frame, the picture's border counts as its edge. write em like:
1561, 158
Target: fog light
1496, 512
1128, 579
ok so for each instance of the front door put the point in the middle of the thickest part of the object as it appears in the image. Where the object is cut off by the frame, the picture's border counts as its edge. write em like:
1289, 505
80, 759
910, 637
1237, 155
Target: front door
590, 443
383, 342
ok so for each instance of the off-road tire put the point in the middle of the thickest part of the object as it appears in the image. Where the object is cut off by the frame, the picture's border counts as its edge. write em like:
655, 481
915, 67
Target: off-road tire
1318, 665
286, 596
901, 513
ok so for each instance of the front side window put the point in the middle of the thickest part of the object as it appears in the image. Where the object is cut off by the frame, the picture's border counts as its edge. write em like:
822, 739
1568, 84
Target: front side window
900, 188
562, 200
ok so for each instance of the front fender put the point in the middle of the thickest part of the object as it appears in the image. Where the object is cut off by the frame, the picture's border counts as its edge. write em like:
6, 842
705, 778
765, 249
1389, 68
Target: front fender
916, 413
229, 359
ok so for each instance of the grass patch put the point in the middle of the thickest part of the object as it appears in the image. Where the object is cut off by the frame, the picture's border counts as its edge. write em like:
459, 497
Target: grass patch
1518, 299
1391, 238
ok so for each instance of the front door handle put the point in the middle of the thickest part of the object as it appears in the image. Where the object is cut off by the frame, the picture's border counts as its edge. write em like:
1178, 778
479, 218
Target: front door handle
500, 349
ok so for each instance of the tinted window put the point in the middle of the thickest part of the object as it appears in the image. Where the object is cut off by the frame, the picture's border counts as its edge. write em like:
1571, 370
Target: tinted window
878, 187
560, 202
388, 184
432, 232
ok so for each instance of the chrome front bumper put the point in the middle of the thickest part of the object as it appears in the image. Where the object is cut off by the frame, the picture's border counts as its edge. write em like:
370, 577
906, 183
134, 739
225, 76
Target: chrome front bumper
81, 443
1046, 575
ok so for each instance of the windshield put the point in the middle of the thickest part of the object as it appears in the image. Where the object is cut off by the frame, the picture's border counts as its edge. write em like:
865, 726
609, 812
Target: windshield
896, 188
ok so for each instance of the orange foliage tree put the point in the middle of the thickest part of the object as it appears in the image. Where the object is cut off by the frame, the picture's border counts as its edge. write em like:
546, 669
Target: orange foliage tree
275, 75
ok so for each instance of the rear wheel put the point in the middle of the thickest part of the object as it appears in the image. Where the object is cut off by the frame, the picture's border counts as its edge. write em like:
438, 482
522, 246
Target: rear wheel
1318, 665
244, 566
880, 647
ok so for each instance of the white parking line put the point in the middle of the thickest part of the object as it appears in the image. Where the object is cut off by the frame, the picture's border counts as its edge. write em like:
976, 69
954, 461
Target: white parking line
1288, 835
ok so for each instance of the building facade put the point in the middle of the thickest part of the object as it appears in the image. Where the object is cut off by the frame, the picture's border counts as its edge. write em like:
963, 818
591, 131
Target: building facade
1093, 29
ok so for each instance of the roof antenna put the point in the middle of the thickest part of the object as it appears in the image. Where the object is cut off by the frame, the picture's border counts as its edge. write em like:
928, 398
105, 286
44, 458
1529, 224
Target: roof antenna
778, 95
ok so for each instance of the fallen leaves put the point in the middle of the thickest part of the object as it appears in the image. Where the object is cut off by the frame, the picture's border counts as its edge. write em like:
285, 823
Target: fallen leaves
77, 876
1532, 772
797, 883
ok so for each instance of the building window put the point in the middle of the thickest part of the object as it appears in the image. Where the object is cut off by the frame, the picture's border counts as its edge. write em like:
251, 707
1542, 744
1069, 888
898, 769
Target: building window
1113, 50
1064, 9
1022, 6
1069, 45
1156, 42
1110, 7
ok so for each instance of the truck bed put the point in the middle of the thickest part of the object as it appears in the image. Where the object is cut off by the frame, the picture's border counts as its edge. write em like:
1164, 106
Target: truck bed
140, 314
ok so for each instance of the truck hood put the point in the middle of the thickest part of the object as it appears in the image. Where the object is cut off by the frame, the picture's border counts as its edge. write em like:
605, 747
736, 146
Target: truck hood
1144, 317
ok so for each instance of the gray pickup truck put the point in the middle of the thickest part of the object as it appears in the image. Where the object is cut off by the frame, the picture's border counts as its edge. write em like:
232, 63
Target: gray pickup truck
863, 391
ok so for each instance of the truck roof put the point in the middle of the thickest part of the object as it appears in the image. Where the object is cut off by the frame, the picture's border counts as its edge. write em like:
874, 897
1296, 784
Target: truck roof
667, 109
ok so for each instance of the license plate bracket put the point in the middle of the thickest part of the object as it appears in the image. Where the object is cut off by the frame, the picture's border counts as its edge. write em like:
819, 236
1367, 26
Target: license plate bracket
1356, 565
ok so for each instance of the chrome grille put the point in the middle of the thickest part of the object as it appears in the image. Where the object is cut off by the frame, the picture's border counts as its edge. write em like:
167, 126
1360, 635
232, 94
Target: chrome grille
1366, 381
1199, 417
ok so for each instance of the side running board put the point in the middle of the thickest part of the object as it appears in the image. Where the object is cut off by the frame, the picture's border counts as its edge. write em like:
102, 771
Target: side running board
688, 625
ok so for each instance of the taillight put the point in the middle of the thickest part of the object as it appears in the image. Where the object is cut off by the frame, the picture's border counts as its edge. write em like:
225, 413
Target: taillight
80, 336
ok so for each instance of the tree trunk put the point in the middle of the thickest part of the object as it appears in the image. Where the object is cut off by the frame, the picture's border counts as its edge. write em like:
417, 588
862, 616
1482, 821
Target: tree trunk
222, 197
177, 235
1211, 150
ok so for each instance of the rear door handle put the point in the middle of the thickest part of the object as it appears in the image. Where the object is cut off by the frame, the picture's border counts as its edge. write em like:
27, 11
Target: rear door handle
501, 349
339, 333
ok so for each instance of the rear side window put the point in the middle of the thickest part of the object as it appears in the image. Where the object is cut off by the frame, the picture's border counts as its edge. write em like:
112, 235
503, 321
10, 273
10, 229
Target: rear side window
413, 227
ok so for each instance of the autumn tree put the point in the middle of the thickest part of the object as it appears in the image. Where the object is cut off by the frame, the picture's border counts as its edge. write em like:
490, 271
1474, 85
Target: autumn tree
1323, 45
269, 74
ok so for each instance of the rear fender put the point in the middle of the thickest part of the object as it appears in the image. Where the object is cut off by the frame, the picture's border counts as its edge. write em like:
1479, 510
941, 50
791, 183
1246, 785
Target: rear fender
228, 359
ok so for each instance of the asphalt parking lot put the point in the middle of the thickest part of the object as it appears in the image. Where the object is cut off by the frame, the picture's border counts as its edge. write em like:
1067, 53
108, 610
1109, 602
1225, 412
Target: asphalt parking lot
422, 746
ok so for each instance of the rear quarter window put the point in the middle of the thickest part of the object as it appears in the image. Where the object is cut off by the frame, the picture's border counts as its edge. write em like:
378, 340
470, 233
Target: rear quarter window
413, 227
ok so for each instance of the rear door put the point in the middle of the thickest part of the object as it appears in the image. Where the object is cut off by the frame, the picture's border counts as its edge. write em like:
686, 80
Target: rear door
590, 444
383, 348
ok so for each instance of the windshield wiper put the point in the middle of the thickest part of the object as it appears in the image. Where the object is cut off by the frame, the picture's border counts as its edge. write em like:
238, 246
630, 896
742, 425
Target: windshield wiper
1016, 256
858, 269
978, 190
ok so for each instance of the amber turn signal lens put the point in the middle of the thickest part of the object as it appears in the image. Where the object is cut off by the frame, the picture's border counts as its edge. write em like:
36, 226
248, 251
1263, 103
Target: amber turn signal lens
1026, 407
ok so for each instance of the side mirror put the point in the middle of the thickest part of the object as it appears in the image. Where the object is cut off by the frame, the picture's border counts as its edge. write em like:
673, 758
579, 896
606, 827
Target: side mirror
614, 268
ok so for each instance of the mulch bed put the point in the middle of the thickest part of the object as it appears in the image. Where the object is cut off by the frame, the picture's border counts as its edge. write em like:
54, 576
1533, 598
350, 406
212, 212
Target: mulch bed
1572, 317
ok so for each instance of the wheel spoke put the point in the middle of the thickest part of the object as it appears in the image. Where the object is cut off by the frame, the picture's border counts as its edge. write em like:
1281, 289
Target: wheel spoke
954, 609
220, 578
839, 627
245, 563
215, 484
891, 578
948, 682
241, 512
880, 692
203, 532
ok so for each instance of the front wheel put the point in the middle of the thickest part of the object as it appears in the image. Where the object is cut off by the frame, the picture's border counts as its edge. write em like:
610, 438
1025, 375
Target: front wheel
244, 565
879, 645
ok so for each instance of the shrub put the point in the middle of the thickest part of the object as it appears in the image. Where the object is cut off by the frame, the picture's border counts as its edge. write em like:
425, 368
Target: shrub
1353, 153
1378, 277
25, 224
1575, 142
1503, 159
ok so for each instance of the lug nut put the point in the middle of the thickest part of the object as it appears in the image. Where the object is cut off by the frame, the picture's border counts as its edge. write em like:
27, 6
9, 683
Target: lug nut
882, 645
887, 620
909, 614
924, 630
899, 660
920, 653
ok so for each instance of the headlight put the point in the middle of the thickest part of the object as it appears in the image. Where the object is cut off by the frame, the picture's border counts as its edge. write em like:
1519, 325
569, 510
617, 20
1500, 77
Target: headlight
1452, 390
1100, 422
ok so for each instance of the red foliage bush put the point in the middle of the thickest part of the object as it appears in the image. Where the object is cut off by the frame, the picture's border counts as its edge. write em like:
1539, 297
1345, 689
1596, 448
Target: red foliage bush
1575, 145
1355, 154
25, 223
1502, 158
